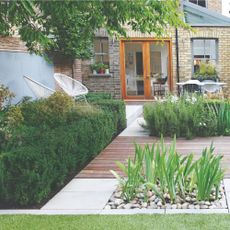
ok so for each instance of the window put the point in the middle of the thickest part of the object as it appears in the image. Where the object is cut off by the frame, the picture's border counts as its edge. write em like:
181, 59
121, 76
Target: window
202, 3
204, 50
101, 50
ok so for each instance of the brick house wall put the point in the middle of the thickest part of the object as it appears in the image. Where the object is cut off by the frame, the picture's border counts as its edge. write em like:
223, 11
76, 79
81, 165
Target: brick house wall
113, 85
222, 34
110, 84
12, 44
215, 5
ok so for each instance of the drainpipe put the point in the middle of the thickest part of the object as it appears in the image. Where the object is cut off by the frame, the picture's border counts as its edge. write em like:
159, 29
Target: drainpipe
177, 57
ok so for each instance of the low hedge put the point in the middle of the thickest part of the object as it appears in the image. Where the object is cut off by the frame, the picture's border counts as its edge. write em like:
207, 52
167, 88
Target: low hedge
117, 110
115, 107
51, 144
183, 118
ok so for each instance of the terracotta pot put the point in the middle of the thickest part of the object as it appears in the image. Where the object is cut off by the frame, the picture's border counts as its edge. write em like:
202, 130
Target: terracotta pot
101, 70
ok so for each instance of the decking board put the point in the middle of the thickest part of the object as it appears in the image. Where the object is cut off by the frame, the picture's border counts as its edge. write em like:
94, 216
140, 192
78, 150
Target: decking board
123, 147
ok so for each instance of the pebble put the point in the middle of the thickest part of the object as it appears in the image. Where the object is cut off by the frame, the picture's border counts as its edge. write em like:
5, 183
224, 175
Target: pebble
133, 202
121, 206
168, 206
135, 206
149, 194
207, 203
166, 196
152, 206
159, 203
118, 202
117, 195
107, 207
179, 206
203, 206
197, 206
188, 199
184, 205
152, 198
140, 195
174, 206
191, 206
144, 205
127, 206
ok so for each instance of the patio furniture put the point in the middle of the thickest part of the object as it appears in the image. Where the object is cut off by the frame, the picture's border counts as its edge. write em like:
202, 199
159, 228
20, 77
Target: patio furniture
159, 87
39, 90
71, 86
195, 86
212, 86
190, 86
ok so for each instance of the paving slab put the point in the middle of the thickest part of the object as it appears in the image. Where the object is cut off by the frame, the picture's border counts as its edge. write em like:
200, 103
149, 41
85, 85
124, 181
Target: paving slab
90, 185
227, 185
135, 129
83, 194
132, 112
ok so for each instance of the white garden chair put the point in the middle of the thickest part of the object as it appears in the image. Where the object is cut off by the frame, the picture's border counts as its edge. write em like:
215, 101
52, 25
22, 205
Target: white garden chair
211, 86
71, 86
39, 90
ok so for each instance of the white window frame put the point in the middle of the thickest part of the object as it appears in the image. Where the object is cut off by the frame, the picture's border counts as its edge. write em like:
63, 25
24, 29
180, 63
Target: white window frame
204, 58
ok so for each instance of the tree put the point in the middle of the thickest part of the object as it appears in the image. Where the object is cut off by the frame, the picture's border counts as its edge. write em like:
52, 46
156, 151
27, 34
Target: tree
69, 26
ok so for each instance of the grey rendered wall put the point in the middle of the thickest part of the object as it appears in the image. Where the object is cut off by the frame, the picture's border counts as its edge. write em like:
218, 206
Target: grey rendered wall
14, 65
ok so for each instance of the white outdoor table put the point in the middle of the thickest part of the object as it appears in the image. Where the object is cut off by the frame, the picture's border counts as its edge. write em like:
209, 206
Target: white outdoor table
204, 86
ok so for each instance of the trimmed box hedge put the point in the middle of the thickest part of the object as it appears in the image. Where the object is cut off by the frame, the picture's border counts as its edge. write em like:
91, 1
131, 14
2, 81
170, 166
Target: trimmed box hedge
56, 139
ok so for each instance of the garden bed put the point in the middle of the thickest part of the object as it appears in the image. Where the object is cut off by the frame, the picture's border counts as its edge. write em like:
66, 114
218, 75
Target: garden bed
150, 200
161, 178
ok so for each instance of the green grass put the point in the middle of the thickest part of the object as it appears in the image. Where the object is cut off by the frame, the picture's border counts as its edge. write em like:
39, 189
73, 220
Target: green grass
187, 222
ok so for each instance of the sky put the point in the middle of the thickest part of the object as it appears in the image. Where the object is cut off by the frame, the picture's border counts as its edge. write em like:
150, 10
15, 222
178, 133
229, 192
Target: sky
226, 7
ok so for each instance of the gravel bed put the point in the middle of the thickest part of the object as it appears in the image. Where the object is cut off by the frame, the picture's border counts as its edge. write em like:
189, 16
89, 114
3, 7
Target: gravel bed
149, 200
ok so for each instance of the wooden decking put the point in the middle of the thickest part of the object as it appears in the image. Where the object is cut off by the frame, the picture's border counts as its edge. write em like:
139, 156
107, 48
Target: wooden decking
123, 147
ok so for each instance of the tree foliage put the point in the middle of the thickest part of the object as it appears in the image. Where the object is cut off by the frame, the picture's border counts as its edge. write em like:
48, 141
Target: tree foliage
69, 26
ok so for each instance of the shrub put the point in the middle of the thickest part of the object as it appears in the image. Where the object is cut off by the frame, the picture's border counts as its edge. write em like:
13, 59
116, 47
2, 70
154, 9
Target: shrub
5, 96
51, 144
185, 117
97, 96
117, 110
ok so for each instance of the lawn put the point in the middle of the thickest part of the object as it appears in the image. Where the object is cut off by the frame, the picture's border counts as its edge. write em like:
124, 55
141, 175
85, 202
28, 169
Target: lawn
142, 222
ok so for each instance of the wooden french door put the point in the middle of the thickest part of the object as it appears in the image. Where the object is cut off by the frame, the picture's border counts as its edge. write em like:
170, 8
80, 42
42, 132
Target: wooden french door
143, 62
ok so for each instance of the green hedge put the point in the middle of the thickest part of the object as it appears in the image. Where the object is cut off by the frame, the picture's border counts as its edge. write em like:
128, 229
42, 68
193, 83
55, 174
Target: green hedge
55, 141
117, 110
97, 96
183, 118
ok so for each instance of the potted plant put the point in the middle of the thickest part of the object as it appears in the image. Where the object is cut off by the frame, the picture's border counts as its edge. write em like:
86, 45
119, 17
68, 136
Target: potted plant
206, 71
94, 68
101, 68
106, 69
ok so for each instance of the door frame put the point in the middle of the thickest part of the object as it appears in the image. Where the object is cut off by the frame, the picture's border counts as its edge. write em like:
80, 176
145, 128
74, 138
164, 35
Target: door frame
146, 64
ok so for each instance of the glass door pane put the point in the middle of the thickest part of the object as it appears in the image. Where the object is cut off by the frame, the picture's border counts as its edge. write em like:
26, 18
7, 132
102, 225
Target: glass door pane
134, 69
159, 68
